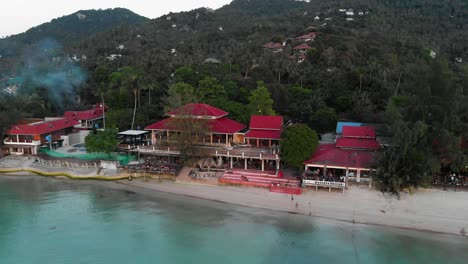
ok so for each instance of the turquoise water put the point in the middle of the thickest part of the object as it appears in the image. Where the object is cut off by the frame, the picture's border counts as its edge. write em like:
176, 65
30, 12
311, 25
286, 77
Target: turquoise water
57, 221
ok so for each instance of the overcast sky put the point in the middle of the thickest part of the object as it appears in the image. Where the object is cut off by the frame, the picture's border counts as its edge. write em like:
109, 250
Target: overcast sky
19, 15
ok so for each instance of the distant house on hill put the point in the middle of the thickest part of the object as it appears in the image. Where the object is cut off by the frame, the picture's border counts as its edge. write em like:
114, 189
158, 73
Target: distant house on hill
275, 47
303, 48
307, 37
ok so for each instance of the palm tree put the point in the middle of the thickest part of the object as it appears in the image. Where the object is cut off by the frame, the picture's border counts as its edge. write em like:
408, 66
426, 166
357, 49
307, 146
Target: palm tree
130, 77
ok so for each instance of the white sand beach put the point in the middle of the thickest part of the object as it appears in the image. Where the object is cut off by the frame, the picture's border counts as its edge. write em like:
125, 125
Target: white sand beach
426, 209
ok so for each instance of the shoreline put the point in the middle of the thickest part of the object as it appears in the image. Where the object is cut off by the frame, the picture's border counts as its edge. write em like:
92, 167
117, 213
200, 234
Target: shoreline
427, 210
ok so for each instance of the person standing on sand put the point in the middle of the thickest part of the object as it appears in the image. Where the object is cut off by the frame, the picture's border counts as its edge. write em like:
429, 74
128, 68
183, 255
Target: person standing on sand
292, 197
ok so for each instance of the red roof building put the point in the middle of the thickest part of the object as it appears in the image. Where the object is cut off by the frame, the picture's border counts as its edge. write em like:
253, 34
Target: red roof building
357, 143
307, 37
276, 47
328, 155
304, 47
25, 138
198, 111
358, 132
87, 118
264, 129
352, 154
209, 124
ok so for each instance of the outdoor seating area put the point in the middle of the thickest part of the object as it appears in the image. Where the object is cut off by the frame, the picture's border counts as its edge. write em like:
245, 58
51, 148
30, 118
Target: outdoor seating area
154, 165
256, 179
451, 180
315, 179
317, 176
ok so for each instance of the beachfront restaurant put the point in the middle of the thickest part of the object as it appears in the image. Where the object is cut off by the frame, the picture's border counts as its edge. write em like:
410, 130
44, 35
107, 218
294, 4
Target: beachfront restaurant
208, 125
351, 157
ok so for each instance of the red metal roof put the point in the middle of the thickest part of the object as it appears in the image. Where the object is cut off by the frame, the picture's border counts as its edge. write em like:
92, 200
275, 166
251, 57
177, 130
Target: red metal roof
358, 131
221, 125
303, 46
357, 143
42, 127
264, 134
198, 110
94, 113
329, 155
266, 122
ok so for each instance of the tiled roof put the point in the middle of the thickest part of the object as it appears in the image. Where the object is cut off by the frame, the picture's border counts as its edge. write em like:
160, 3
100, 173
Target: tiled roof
42, 127
263, 134
303, 46
221, 125
329, 155
266, 122
198, 110
91, 114
357, 143
358, 132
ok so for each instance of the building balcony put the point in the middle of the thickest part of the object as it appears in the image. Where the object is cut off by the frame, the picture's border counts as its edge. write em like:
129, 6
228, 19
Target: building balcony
239, 152
21, 142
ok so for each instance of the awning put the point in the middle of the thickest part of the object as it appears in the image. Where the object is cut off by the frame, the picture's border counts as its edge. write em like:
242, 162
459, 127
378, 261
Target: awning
133, 133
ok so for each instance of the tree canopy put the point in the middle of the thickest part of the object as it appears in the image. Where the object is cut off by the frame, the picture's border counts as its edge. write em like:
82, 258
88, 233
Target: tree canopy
260, 102
298, 142
102, 141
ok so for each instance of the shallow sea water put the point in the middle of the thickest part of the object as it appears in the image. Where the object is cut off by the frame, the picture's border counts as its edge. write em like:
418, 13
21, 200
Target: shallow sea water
59, 221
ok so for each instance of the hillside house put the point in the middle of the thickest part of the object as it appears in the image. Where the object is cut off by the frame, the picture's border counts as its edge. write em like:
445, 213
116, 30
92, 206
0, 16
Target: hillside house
275, 47
307, 37
303, 48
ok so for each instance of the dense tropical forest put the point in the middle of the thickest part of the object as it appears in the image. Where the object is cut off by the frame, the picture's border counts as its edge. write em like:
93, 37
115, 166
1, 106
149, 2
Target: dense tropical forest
398, 62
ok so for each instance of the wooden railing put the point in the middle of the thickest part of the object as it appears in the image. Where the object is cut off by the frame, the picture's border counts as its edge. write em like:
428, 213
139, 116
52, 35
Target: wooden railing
210, 152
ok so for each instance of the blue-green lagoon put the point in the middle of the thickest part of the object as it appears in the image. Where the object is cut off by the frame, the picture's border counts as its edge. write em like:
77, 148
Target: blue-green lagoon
61, 221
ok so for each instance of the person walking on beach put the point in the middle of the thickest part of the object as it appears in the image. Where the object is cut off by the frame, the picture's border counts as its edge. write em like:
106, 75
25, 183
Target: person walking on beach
292, 197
